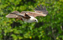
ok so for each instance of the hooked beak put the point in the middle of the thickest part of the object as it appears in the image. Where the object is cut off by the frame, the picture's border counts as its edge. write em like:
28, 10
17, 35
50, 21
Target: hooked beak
37, 21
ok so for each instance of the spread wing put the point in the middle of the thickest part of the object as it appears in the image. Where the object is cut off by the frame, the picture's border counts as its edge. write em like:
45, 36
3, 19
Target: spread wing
39, 11
16, 14
10, 15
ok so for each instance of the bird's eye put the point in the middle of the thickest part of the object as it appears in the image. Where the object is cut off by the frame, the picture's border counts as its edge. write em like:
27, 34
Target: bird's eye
35, 20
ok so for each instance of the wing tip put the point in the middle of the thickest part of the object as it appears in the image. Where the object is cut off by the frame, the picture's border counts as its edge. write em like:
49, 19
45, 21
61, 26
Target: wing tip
40, 8
45, 15
7, 15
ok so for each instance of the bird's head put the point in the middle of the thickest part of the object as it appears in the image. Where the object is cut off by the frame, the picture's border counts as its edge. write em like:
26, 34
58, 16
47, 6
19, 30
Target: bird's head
33, 19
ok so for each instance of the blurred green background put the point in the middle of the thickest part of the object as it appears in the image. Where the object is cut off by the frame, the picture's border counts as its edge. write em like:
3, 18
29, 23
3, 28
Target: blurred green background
48, 28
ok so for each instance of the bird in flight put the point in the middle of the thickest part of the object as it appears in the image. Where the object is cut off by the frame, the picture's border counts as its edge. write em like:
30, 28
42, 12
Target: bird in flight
29, 16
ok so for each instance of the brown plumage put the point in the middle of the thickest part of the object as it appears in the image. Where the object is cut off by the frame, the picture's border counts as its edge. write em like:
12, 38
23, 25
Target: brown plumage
27, 15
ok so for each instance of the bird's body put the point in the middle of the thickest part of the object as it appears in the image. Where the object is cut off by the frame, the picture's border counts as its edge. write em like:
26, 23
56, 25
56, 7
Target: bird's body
28, 16
32, 19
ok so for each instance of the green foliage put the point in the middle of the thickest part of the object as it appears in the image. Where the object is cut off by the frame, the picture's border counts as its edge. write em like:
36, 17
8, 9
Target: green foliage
48, 28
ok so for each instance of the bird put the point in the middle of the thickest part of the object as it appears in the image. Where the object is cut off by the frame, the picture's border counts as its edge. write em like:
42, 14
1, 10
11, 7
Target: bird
28, 16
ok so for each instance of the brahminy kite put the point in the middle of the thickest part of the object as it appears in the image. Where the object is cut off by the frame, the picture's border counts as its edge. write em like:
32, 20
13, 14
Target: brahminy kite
28, 16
